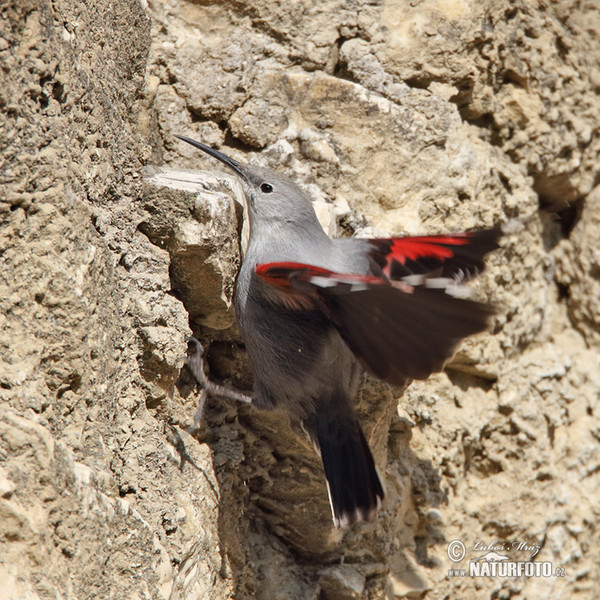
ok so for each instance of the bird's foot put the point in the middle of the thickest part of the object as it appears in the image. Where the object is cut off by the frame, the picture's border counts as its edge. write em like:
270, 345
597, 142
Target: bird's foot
195, 362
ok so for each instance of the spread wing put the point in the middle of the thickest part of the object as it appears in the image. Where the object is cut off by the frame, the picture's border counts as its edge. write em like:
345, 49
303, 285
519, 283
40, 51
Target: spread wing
406, 321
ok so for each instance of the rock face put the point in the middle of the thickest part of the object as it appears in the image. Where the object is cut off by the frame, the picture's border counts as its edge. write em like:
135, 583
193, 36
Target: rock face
398, 117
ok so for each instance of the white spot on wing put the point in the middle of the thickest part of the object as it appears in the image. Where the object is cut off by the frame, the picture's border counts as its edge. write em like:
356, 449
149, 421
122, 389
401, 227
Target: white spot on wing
325, 282
438, 282
414, 280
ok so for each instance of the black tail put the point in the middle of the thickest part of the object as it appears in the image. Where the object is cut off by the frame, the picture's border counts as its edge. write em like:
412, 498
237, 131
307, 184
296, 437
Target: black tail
354, 487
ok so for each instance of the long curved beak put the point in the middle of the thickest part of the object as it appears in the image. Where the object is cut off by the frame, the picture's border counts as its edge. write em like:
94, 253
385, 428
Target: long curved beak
232, 164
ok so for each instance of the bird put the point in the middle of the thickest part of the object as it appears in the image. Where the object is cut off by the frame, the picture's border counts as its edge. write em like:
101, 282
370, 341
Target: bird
316, 312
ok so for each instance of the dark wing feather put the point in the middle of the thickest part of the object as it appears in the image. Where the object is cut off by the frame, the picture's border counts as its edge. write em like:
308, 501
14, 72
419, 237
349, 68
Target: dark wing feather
398, 335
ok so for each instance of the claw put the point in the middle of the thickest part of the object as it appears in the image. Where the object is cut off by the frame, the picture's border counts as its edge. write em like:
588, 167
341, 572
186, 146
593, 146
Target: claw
195, 361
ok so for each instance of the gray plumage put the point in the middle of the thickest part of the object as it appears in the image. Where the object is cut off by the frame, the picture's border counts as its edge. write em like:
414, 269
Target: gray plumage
300, 362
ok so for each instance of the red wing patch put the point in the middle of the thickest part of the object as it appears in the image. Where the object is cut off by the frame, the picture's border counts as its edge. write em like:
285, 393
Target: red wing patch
280, 274
289, 275
281, 277
413, 248
450, 255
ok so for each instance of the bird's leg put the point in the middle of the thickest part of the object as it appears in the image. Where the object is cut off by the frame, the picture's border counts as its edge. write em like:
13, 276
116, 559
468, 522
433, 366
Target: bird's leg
195, 362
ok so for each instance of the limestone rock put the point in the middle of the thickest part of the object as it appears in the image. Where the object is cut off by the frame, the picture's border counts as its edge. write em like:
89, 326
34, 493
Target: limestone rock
397, 118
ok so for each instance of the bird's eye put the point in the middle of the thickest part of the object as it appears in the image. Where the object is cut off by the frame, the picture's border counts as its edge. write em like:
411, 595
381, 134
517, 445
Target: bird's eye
266, 188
